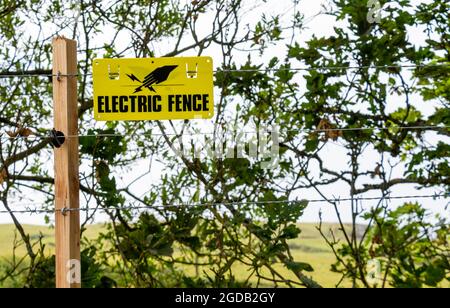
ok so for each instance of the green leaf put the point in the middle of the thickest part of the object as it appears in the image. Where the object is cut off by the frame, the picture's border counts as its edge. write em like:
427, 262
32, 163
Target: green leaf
311, 145
290, 232
299, 266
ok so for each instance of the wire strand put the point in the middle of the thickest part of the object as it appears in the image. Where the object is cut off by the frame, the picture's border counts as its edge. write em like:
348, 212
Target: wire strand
330, 68
226, 204
348, 129
5, 75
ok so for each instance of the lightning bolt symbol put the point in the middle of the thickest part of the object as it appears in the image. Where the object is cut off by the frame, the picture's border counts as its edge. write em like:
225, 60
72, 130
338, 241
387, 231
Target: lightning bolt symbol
133, 78
158, 76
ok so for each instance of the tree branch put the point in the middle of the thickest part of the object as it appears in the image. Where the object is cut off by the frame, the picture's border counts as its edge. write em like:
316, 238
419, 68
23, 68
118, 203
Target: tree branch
386, 185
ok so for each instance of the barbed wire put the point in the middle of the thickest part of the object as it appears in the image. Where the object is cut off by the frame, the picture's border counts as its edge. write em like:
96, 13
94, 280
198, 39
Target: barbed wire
306, 130
4, 75
272, 70
225, 204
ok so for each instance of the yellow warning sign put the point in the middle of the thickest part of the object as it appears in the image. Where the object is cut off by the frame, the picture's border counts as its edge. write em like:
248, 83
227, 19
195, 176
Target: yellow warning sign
153, 89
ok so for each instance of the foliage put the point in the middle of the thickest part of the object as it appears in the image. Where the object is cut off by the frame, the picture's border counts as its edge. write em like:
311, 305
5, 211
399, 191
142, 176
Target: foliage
412, 251
211, 213
92, 273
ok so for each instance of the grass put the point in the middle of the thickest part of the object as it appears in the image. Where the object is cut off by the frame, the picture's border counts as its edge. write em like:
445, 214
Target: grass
309, 247
7, 235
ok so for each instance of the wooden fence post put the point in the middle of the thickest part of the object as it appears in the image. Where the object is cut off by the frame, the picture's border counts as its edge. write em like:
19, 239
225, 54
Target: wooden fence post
67, 185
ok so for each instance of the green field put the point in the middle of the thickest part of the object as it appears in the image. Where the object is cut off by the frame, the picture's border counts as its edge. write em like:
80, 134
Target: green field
7, 234
309, 247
